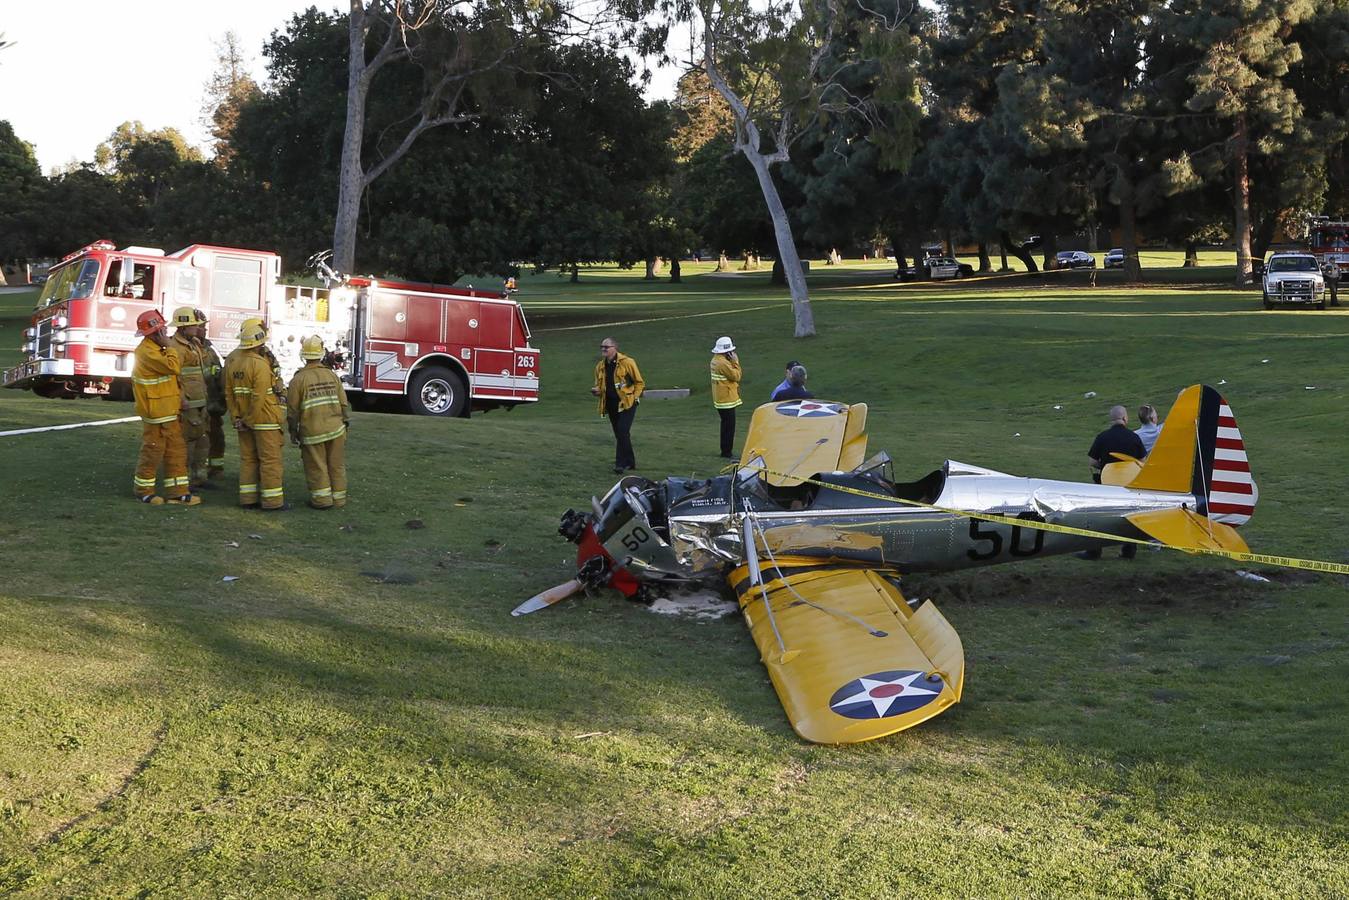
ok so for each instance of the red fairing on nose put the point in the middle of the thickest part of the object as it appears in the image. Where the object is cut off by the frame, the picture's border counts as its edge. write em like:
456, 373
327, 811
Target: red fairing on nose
620, 579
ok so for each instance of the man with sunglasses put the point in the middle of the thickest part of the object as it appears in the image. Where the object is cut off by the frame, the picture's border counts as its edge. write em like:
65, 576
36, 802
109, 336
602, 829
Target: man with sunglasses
619, 385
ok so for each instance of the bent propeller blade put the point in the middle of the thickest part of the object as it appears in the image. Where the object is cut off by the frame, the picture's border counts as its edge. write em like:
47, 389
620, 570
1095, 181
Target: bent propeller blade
553, 595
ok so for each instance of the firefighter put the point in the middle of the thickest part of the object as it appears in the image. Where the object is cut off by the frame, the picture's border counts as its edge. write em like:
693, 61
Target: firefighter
318, 414
155, 385
726, 376
213, 371
186, 345
256, 407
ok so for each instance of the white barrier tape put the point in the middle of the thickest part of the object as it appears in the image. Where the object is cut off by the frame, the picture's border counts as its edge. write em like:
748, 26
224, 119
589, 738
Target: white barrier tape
68, 427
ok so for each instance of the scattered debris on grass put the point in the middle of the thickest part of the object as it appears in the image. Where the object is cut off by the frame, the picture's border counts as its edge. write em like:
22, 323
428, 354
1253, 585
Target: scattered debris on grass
255, 537
702, 605
1088, 395
414, 524
1250, 576
229, 578
391, 574
234, 544
346, 527
1310, 387
590, 734
463, 501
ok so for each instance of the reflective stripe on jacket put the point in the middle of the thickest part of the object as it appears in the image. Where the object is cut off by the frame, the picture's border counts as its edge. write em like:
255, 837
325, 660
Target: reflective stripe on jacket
316, 404
248, 391
154, 383
192, 369
627, 382
725, 382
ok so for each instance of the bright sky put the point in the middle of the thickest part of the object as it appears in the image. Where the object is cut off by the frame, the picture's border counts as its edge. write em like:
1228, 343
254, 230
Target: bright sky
78, 69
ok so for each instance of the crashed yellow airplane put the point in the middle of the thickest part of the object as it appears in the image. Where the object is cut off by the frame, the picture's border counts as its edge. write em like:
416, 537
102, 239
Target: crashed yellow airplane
813, 536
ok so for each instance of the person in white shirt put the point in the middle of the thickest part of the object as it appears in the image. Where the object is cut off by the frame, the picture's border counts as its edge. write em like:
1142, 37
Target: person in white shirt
1149, 429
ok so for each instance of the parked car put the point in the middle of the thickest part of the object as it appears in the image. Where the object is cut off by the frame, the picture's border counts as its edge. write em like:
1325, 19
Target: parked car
1115, 258
1293, 279
1075, 259
943, 267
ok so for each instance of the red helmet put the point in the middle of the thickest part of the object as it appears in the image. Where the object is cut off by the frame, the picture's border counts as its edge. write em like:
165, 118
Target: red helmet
149, 322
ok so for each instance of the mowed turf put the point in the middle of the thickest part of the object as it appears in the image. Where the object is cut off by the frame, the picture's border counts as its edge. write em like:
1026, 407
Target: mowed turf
358, 714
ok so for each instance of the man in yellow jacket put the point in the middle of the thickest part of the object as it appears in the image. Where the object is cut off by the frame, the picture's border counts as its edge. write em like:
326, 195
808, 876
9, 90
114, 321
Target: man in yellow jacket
318, 414
154, 383
619, 385
726, 390
256, 407
186, 345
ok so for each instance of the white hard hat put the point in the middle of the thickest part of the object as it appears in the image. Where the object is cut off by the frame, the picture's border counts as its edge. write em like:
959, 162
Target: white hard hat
724, 345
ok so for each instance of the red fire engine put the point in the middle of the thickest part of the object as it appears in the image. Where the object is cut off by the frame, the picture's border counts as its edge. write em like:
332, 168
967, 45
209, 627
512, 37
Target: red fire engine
446, 349
1329, 239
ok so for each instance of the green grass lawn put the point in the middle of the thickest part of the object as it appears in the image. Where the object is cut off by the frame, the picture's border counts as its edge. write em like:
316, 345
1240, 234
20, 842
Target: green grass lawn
358, 714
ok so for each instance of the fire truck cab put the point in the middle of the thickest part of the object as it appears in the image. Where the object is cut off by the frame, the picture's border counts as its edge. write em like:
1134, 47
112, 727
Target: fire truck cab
447, 350
1329, 240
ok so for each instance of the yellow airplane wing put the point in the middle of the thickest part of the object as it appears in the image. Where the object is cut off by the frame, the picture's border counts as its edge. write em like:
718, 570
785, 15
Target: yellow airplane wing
848, 657
799, 438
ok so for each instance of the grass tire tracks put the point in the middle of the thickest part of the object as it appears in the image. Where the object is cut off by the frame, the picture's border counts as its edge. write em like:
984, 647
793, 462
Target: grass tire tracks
141, 764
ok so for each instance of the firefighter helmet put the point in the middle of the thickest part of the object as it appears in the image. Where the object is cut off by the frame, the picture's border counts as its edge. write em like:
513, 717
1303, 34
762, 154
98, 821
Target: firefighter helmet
149, 322
186, 316
311, 347
252, 333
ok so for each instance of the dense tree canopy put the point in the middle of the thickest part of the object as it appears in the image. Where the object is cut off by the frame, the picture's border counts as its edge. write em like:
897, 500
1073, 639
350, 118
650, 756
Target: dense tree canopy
978, 122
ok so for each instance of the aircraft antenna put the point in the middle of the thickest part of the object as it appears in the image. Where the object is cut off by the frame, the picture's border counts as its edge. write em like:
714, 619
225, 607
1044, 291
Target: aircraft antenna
802, 458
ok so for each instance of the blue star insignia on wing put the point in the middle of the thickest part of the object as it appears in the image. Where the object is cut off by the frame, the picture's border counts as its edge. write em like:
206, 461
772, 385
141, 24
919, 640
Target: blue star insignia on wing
885, 694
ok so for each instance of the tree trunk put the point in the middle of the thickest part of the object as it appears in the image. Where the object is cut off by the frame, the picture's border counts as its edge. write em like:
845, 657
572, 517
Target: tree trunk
575, 273
674, 270
650, 269
1002, 252
351, 173
1128, 228
1191, 255
985, 264
1241, 195
1049, 248
1264, 234
950, 245
791, 262
1019, 251
897, 242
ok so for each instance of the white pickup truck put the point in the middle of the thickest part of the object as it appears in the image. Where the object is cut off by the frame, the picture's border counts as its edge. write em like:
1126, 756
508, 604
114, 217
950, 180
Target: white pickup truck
1294, 279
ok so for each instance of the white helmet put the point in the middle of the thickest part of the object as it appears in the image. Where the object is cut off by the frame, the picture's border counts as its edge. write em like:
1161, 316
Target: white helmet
724, 345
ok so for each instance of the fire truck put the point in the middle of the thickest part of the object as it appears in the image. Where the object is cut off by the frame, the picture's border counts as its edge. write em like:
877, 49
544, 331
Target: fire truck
446, 350
1329, 240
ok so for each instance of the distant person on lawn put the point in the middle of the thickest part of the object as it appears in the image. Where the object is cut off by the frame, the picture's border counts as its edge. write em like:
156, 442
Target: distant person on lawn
796, 386
1115, 439
786, 379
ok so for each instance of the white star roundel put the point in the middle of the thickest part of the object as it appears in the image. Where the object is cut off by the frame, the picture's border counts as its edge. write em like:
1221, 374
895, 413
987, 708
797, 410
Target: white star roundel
810, 409
885, 694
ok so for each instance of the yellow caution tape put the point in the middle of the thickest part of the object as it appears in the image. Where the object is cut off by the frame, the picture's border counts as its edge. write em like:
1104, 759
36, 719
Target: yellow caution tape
1287, 562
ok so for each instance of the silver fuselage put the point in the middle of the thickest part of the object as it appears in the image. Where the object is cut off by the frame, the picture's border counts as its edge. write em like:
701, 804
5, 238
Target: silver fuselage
702, 539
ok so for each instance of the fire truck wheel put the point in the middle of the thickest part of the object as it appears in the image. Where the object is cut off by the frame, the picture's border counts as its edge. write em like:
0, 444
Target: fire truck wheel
436, 391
